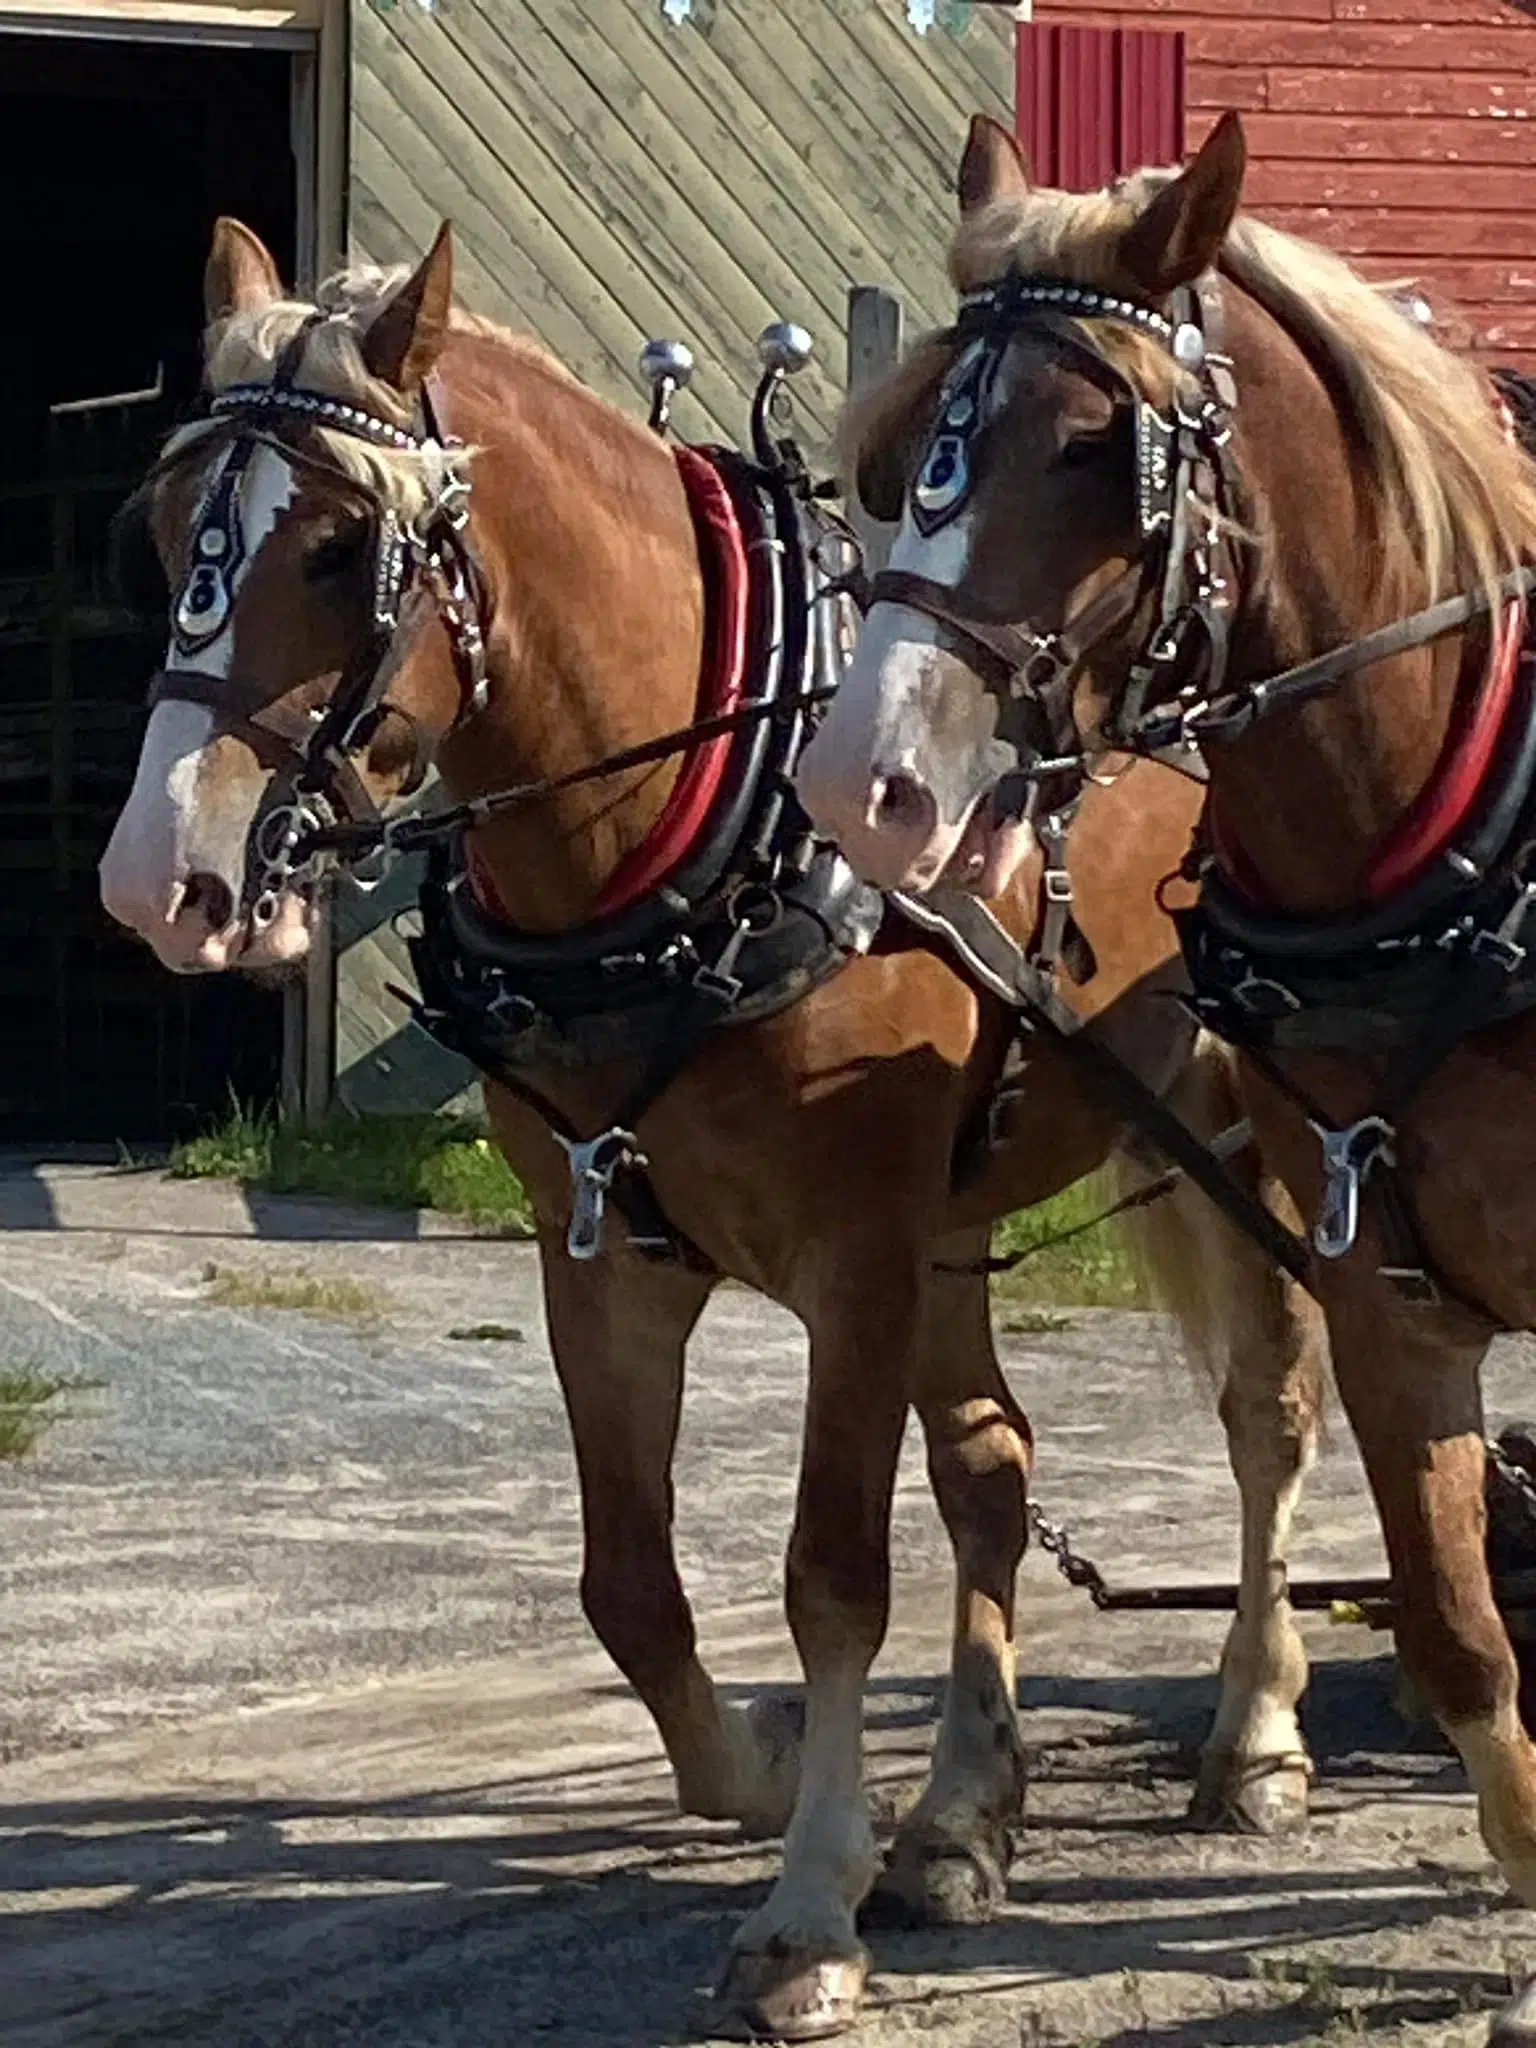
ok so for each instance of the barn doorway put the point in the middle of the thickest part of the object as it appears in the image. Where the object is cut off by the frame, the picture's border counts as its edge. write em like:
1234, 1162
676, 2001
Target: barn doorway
116, 156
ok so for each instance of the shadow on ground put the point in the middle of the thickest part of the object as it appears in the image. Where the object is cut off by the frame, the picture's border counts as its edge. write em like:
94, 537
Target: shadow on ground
579, 1911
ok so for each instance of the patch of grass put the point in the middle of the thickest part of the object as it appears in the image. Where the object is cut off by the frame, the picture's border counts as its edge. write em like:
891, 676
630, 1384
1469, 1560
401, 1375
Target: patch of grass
449, 1164
488, 1333
312, 1294
391, 1162
31, 1402
1094, 1270
1035, 1322
1320, 1985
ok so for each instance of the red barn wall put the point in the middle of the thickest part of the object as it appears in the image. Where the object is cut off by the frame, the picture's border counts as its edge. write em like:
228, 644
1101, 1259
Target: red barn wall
1400, 132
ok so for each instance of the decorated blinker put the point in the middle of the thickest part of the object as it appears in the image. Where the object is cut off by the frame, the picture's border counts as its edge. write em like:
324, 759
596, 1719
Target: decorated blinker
206, 599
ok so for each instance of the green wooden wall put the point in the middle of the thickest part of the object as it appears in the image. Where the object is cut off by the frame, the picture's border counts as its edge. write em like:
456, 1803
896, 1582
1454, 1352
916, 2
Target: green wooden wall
613, 175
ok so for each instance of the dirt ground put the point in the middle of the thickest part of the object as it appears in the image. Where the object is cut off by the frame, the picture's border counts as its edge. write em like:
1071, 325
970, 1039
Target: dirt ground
305, 1745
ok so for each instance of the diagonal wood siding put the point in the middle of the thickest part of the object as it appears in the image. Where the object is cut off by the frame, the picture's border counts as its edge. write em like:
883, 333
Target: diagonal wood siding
612, 176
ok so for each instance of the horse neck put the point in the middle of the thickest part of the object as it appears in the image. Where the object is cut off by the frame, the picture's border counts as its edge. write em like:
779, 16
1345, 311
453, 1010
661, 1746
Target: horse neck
596, 601
1303, 801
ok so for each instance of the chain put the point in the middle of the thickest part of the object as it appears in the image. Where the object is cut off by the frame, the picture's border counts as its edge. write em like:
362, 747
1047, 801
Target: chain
1083, 1573
1075, 1569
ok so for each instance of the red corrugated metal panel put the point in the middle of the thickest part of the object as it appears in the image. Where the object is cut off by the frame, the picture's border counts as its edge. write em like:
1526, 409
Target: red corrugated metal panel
1151, 99
1094, 103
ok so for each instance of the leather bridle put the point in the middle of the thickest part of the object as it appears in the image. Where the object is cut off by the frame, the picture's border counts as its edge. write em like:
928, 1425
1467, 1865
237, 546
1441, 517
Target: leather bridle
314, 749
1191, 525
1186, 500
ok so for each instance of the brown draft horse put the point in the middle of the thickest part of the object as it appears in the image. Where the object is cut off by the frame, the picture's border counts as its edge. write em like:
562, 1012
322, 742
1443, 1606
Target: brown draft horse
808, 1155
1372, 477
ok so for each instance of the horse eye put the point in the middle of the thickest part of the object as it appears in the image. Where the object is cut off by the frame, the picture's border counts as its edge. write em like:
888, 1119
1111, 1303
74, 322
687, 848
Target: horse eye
332, 556
1083, 450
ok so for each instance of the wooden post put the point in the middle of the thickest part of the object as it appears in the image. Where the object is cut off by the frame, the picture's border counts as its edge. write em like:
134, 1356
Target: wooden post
290, 1099
318, 1078
874, 348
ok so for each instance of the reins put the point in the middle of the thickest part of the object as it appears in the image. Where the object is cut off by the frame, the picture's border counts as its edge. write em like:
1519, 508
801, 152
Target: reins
1233, 714
411, 834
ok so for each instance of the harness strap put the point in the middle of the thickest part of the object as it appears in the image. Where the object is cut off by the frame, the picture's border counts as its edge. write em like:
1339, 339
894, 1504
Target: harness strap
1232, 716
651, 1231
1411, 1273
1026, 663
991, 956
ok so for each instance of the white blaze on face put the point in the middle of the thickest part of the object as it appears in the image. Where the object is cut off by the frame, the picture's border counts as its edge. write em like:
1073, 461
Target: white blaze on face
907, 708
920, 710
182, 818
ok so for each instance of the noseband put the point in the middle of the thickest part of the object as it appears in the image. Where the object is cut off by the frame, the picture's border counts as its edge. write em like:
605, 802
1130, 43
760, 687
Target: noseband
1186, 492
316, 747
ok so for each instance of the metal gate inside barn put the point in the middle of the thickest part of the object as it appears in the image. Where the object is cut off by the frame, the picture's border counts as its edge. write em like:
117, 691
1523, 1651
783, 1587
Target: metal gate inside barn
103, 243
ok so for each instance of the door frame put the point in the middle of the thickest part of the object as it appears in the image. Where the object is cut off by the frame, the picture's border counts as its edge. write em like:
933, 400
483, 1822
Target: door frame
316, 33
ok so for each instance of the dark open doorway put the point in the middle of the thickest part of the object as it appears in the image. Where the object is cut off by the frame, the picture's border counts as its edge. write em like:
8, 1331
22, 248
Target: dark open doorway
115, 159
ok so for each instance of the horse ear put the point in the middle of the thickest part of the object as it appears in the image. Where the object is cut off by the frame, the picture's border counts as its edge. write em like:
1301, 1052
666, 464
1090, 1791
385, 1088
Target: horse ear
404, 342
994, 166
240, 276
1179, 236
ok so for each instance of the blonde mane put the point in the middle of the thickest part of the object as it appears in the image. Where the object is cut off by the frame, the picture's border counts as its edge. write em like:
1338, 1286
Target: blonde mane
246, 347
1454, 501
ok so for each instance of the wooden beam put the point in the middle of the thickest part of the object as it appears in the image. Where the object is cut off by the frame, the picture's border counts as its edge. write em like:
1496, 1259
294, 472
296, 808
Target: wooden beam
261, 15
875, 319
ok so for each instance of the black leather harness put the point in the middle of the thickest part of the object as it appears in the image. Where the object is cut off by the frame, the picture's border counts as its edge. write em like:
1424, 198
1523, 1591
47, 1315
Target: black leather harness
758, 915
1407, 979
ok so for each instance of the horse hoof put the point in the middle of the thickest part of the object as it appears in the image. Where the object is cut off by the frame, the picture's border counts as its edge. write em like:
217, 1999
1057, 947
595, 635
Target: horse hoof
1266, 1796
790, 1995
940, 1884
1515, 2026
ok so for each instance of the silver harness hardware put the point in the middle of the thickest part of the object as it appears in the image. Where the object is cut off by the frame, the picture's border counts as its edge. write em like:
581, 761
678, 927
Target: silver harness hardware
1350, 1157
594, 1163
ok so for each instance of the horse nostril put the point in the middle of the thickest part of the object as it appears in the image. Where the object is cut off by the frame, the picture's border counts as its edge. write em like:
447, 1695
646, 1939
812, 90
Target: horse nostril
211, 898
902, 803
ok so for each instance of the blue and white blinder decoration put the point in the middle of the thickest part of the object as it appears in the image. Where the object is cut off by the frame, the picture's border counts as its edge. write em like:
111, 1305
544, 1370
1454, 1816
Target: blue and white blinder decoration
207, 597
944, 482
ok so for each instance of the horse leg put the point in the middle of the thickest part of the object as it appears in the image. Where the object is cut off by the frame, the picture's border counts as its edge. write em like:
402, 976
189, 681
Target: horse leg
797, 1967
1243, 1320
619, 1326
1413, 1394
949, 1862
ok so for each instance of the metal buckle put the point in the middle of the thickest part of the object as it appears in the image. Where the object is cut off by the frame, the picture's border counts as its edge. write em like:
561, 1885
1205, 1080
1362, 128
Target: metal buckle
1047, 664
1505, 953
594, 1164
1502, 946
1350, 1156
1262, 997
1058, 886
1412, 1284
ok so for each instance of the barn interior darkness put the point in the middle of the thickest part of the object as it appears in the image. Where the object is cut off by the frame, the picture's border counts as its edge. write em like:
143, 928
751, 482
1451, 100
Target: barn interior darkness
116, 156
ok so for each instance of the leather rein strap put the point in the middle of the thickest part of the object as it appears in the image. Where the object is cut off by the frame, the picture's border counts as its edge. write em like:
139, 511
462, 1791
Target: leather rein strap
1011, 654
992, 957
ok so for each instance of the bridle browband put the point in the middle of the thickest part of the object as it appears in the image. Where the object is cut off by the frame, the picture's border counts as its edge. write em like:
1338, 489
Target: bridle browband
316, 747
